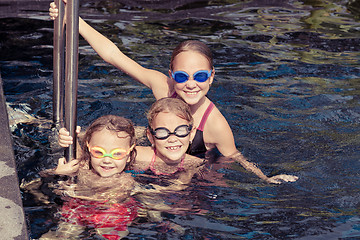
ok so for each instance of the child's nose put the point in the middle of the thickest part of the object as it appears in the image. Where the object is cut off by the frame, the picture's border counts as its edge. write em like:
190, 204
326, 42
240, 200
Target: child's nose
172, 138
191, 83
107, 160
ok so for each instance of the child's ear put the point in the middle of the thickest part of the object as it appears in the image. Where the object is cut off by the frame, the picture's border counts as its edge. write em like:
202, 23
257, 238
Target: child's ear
212, 76
192, 129
150, 136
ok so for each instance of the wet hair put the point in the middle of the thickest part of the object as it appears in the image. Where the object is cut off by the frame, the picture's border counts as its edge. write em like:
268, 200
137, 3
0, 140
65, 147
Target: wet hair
170, 105
192, 45
111, 123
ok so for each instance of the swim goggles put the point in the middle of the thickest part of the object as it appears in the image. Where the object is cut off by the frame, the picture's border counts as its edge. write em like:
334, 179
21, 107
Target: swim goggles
199, 76
162, 133
117, 153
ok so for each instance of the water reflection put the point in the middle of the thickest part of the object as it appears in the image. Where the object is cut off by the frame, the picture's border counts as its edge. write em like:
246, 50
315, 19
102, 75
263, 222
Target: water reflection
287, 79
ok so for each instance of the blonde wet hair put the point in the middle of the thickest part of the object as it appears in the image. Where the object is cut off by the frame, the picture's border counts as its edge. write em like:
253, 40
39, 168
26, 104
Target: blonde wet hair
170, 105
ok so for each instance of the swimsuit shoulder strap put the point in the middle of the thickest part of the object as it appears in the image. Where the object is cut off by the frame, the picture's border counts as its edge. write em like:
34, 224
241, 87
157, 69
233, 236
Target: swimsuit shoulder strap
174, 95
205, 116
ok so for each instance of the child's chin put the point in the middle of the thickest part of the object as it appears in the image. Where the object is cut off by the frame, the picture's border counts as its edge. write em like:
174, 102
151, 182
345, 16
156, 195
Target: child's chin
175, 157
106, 175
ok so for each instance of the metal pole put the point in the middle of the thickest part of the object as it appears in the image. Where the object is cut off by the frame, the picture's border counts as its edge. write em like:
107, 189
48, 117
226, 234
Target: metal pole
71, 72
59, 66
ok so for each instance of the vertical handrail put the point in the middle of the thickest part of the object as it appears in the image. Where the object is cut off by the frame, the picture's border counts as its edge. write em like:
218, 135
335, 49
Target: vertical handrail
71, 73
59, 66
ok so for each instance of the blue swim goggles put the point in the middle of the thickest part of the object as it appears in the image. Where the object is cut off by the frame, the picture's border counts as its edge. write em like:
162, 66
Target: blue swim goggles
199, 76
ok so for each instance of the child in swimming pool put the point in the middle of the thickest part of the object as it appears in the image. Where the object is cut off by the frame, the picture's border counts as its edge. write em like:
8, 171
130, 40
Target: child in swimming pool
190, 76
100, 198
170, 126
165, 164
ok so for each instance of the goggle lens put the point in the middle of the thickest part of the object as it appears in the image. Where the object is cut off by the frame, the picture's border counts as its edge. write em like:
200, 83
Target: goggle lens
199, 76
180, 77
164, 133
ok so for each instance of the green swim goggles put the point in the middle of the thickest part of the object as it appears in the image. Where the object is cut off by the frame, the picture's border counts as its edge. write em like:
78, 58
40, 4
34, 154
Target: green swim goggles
117, 153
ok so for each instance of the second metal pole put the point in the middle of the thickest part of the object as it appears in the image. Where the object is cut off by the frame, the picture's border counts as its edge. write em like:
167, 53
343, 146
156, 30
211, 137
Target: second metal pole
58, 66
71, 73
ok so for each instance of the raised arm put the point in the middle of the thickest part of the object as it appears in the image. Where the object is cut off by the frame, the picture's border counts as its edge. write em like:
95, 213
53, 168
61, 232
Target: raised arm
158, 82
108, 51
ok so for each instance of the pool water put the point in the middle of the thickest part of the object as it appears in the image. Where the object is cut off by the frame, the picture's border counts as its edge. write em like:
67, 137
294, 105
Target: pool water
287, 80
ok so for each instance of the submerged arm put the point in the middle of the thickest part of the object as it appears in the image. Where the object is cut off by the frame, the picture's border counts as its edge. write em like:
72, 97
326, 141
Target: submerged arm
251, 167
225, 143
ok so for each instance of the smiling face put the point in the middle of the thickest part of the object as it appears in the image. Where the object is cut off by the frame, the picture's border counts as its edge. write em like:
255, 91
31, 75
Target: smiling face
109, 140
191, 91
172, 149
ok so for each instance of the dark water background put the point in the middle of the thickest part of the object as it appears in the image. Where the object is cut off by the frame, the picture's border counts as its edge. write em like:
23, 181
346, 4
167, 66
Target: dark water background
287, 80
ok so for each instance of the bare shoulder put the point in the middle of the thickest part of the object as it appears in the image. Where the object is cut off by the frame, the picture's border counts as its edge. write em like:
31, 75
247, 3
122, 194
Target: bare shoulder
216, 126
143, 157
191, 162
217, 133
160, 84
126, 179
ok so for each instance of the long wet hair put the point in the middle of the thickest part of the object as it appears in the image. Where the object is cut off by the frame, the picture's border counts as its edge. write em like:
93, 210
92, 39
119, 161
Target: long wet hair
192, 45
111, 123
170, 105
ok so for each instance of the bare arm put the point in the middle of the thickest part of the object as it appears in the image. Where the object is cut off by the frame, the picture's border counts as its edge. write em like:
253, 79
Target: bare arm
108, 51
225, 143
65, 140
63, 168
158, 82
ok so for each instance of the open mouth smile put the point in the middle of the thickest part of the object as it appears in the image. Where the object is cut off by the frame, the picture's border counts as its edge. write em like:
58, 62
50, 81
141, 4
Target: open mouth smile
173, 148
191, 93
105, 168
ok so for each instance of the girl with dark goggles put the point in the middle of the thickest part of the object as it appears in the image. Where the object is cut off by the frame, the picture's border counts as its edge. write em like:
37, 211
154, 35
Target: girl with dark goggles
199, 76
162, 133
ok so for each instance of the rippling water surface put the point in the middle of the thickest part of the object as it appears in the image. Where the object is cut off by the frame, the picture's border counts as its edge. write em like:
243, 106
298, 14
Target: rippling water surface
287, 80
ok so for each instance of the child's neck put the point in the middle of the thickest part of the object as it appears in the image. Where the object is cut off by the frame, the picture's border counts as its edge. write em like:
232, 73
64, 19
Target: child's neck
162, 160
163, 166
198, 106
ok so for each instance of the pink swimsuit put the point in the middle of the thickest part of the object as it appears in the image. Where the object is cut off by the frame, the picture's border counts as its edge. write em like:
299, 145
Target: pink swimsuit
100, 214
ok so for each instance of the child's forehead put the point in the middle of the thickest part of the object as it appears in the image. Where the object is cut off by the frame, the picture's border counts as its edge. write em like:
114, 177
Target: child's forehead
106, 133
166, 114
169, 118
